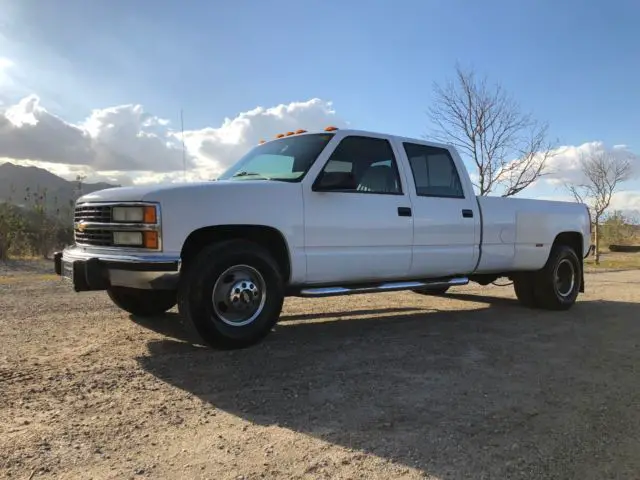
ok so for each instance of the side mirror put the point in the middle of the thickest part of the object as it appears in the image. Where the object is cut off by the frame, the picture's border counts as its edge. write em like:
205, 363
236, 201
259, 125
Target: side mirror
330, 181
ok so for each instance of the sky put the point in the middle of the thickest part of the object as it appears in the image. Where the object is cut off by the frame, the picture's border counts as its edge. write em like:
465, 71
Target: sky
96, 88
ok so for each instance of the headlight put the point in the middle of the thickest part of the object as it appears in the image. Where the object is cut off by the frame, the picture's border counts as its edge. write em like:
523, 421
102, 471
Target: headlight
128, 238
146, 214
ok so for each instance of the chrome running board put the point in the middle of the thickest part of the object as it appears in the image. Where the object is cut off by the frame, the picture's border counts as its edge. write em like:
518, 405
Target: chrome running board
379, 287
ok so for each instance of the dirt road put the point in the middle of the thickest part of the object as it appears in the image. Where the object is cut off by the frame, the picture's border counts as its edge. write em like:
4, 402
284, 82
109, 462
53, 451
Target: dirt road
374, 387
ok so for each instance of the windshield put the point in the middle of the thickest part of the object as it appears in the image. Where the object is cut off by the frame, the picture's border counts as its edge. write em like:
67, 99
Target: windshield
285, 159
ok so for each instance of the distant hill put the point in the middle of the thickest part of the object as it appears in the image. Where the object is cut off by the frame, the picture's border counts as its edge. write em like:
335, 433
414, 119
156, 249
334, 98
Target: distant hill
15, 180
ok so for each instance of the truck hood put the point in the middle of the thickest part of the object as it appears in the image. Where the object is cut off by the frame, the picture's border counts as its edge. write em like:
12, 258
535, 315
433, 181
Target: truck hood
122, 194
173, 190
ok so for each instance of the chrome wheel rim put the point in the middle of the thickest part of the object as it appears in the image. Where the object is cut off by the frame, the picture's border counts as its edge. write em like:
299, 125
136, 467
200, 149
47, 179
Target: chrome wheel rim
239, 295
565, 277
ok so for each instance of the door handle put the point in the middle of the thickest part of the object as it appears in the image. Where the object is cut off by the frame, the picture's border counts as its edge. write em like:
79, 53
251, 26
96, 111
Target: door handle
404, 211
466, 213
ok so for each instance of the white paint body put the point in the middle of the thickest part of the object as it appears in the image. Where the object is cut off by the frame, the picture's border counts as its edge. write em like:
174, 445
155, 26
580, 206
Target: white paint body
336, 237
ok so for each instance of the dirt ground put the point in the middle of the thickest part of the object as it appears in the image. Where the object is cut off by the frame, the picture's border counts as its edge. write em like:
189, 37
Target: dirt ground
375, 387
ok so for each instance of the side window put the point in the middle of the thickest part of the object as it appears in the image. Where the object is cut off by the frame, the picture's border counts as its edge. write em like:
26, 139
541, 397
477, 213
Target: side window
434, 171
371, 163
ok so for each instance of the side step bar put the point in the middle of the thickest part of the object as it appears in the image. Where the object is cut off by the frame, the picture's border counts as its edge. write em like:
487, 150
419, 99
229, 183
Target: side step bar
379, 287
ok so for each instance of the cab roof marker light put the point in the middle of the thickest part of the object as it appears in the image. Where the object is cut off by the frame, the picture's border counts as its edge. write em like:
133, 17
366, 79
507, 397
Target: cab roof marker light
330, 129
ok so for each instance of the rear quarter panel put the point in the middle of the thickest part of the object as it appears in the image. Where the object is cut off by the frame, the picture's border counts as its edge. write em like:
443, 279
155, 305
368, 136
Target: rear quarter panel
525, 229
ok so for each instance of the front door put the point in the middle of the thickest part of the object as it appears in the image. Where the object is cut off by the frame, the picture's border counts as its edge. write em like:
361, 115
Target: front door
359, 232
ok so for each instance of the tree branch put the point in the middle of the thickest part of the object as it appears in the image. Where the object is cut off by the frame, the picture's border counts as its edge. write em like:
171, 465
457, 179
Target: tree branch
510, 151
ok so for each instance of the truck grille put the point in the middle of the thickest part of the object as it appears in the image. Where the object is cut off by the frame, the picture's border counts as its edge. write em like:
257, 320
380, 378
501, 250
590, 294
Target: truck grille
96, 238
93, 213
97, 214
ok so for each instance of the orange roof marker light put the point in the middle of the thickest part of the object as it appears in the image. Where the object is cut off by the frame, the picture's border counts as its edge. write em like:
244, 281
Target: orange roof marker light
280, 135
261, 142
330, 129
290, 133
298, 132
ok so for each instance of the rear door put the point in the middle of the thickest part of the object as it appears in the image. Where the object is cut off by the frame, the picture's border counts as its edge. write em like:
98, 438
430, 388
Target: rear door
363, 233
445, 212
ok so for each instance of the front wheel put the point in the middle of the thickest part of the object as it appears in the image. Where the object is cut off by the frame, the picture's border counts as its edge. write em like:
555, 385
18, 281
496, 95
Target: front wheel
231, 294
143, 303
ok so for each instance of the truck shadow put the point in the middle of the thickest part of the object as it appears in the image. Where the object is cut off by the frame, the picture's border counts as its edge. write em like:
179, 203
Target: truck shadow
169, 324
497, 392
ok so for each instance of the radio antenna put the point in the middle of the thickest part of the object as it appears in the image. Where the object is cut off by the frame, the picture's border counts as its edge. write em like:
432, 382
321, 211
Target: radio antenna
184, 158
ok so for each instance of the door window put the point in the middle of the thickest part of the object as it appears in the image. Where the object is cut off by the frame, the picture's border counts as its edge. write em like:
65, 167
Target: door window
434, 172
370, 161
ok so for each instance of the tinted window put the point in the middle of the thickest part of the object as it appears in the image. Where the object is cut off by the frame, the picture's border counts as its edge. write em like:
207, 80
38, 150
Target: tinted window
434, 172
370, 161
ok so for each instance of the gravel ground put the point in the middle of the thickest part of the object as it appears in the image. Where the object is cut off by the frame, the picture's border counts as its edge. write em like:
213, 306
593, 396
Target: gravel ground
375, 386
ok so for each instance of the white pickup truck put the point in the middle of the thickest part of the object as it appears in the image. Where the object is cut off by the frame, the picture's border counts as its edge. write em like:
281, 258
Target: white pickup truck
316, 214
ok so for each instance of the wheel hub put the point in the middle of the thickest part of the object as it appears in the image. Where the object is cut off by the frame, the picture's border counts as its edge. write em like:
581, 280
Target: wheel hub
244, 294
239, 295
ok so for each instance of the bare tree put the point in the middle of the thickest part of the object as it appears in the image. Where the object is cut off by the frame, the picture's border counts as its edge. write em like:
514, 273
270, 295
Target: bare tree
509, 149
603, 172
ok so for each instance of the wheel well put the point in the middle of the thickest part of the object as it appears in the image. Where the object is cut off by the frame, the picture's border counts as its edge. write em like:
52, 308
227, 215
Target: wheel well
570, 239
268, 237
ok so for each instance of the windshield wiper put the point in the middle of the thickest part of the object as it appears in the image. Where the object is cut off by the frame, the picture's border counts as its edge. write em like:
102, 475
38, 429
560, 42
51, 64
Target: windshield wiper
244, 173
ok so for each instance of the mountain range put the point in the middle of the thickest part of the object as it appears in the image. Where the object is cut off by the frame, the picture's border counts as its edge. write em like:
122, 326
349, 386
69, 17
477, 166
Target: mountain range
17, 181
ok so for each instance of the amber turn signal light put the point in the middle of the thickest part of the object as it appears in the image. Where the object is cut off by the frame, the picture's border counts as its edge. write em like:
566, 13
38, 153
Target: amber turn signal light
151, 240
149, 215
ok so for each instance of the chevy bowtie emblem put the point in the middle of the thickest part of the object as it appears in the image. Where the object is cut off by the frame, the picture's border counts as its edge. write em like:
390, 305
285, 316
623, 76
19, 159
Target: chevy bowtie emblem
80, 226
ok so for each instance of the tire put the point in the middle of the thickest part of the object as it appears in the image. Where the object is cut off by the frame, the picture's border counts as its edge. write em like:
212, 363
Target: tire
143, 303
221, 276
524, 287
432, 291
557, 284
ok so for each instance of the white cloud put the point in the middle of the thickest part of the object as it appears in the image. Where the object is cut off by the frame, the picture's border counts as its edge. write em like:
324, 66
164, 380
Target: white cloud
217, 148
121, 138
626, 201
565, 169
126, 144
564, 166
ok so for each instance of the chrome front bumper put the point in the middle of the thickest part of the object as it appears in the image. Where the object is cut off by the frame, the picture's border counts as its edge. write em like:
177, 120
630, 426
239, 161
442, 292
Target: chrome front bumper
90, 271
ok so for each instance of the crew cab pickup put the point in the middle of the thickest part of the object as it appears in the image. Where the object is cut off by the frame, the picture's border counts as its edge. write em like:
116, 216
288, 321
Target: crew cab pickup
316, 214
